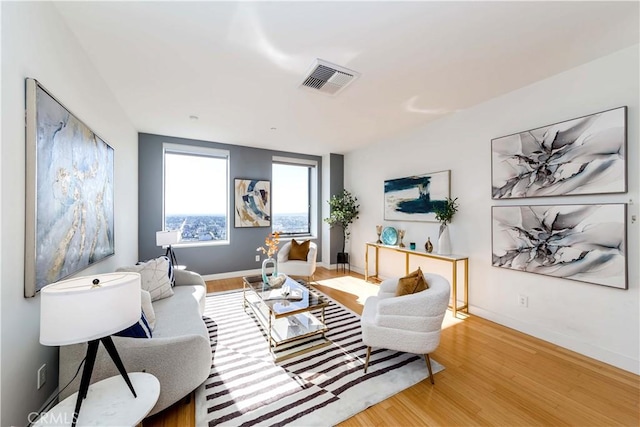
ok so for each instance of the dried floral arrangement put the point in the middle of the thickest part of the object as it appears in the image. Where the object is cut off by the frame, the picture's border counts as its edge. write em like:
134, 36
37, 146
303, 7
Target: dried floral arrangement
271, 242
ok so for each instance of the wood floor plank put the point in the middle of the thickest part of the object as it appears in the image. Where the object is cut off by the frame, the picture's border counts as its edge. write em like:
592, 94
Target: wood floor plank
494, 376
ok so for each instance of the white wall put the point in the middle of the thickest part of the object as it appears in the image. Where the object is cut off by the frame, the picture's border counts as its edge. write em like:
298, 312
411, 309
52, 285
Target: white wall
597, 321
37, 44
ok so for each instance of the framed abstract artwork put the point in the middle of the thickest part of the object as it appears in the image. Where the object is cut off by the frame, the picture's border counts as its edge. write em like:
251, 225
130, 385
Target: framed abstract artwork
586, 155
69, 192
252, 203
578, 242
415, 198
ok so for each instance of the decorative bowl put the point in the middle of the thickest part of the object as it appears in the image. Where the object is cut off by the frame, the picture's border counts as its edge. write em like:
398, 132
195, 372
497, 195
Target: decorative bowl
389, 236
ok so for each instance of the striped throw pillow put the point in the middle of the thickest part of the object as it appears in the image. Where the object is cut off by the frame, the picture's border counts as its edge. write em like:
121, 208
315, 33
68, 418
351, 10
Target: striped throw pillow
140, 329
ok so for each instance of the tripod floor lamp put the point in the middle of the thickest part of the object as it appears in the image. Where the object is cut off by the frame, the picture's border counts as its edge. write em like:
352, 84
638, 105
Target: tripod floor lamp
90, 309
168, 238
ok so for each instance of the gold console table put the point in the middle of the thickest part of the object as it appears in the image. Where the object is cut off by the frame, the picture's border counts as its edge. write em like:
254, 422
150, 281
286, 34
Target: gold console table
452, 259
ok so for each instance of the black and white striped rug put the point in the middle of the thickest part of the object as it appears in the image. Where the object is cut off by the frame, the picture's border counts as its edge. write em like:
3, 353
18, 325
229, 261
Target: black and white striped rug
319, 388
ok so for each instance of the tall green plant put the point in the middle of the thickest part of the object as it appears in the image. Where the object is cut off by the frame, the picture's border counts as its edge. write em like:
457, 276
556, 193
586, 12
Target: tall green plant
344, 210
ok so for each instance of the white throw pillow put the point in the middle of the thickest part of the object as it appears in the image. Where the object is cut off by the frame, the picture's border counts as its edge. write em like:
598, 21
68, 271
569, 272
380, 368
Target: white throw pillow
147, 308
155, 277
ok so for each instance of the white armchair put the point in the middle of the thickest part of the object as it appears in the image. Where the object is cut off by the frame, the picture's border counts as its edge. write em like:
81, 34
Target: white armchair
409, 323
295, 267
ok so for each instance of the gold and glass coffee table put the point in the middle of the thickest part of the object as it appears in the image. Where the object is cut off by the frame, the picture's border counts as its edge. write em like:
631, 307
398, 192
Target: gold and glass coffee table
288, 319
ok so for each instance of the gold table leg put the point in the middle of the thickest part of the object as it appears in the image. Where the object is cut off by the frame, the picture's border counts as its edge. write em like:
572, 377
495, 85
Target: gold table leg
366, 263
454, 279
406, 264
466, 283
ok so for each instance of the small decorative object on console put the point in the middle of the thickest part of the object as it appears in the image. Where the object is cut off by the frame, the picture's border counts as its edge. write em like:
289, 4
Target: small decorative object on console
379, 231
401, 236
389, 236
428, 246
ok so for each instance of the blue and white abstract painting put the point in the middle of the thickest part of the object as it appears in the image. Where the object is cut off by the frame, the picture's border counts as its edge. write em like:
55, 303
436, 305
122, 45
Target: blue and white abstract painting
577, 242
415, 198
580, 156
253, 203
72, 171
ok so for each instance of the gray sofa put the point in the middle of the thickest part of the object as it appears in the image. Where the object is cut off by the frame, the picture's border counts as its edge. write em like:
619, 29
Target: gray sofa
179, 354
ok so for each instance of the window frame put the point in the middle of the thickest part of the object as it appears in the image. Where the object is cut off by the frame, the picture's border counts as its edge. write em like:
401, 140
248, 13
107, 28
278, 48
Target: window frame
312, 166
197, 151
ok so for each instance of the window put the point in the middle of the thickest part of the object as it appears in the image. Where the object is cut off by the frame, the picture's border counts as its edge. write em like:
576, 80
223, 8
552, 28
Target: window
196, 199
293, 194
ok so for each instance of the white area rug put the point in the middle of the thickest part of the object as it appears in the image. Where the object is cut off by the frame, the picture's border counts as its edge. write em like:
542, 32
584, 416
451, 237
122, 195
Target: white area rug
319, 388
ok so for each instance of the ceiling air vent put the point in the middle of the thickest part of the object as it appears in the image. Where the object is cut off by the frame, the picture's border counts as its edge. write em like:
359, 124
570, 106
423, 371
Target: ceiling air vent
328, 78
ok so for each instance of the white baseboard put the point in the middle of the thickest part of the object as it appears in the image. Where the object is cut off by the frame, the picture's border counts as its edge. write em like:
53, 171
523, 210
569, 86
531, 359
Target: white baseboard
618, 360
328, 266
232, 274
357, 269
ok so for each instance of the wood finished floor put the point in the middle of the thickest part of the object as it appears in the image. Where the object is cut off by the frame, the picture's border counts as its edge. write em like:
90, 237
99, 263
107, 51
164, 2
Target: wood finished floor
494, 376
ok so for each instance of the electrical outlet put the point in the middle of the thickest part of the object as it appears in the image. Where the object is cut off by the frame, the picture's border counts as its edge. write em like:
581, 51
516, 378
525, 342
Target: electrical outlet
257, 258
523, 301
42, 375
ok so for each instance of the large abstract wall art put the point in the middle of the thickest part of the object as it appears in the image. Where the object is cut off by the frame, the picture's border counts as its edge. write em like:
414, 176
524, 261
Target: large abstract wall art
69, 193
580, 156
577, 242
415, 198
252, 203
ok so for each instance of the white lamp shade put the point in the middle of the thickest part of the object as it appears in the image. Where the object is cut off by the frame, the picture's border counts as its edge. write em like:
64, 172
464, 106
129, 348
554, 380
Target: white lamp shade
167, 238
75, 310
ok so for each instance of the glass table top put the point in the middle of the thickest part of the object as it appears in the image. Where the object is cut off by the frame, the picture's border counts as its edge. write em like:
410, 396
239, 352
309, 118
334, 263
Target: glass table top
300, 297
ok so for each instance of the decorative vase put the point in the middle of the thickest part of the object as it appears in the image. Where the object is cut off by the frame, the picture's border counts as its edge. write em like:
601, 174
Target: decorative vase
401, 235
428, 246
265, 263
444, 241
379, 231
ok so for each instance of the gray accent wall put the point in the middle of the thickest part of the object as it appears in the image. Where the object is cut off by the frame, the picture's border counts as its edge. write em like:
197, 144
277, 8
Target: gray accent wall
336, 185
244, 162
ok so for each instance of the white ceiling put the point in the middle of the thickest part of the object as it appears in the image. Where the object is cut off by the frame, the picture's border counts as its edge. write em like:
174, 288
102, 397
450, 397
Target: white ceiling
238, 65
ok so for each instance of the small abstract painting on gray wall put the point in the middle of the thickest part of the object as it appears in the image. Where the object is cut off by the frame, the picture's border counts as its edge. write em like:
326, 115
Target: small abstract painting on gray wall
253, 203
577, 242
580, 156
415, 198
69, 216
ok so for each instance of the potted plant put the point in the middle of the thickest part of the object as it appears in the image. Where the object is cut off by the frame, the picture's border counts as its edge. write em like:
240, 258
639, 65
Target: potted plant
444, 215
344, 210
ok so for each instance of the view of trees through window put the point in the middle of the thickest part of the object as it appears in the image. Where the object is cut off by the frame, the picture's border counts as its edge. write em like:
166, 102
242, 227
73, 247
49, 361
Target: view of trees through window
195, 195
290, 208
